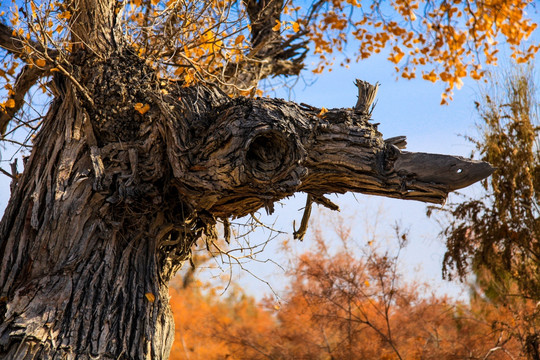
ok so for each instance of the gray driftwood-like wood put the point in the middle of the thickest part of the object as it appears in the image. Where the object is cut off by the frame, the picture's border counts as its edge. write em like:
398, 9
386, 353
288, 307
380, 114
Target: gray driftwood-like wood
111, 200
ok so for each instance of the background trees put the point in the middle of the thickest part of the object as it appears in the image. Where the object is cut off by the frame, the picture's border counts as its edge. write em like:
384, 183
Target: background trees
343, 306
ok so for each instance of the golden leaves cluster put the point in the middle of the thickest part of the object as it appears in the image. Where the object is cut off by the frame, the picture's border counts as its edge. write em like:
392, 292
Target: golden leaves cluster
190, 40
211, 41
34, 23
434, 39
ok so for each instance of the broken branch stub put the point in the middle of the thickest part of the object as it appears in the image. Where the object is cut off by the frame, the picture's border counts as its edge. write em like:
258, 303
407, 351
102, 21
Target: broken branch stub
252, 152
366, 97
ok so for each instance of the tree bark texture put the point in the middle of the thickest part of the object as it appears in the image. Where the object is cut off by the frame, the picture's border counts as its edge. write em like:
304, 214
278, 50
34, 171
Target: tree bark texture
113, 197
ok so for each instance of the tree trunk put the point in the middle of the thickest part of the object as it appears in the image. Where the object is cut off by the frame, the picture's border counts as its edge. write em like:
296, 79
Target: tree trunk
129, 171
80, 245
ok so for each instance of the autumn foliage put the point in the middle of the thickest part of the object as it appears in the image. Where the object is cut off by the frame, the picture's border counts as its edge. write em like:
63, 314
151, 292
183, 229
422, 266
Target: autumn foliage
342, 306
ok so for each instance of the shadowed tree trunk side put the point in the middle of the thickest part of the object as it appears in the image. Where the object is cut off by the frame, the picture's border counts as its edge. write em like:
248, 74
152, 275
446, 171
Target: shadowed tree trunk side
80, 246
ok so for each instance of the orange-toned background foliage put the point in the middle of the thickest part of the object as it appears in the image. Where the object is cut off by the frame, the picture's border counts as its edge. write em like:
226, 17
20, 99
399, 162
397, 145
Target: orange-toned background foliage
341, 306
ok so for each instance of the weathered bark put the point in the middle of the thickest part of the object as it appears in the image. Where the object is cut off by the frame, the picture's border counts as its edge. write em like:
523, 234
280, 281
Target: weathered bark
77, 263
112, 199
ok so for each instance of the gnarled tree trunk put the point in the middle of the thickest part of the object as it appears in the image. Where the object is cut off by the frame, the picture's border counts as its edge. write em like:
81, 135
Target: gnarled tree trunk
112, 198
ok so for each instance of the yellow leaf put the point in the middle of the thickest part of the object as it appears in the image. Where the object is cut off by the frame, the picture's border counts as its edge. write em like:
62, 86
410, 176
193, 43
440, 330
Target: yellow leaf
323, 111
295, 26
41, 62
239, 39
65, 15
151, 297
141, 108
366, 283
431, 76
33, 6
277, 26
10, 103
188, 78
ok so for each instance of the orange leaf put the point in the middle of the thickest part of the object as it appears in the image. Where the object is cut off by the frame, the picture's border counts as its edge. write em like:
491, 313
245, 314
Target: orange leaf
141, 108
33, 6
65, 15
277, 26
323, 111
295, 26
10, 103
41, 62
151, 297
239, 39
